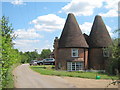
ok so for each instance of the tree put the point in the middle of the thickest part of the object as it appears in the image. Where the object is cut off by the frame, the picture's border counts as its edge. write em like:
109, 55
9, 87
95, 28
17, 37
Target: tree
114, 59
45, 53
10, 56
26, 57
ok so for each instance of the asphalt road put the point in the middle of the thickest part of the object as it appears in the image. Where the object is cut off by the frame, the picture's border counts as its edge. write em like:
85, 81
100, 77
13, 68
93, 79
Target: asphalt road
24, 77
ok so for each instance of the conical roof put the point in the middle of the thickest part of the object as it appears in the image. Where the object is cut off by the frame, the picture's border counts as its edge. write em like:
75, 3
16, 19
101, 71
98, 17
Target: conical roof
99, 36
71, 35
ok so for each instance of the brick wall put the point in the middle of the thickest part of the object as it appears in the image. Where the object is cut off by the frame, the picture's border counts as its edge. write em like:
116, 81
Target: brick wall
64, 54
96, 59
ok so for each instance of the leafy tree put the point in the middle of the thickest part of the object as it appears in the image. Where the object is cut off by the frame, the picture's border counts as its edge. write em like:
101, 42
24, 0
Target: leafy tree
114, 59
24, 58
10, 56
28, 56
45, 53
32, 55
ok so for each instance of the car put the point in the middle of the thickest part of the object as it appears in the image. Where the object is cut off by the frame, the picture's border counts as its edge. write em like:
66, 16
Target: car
47, 61
33, 62
40, 62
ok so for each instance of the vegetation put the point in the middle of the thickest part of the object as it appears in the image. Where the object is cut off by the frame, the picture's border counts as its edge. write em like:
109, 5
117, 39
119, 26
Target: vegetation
28, 56
45, 53
10, 56
47, 70
114, 59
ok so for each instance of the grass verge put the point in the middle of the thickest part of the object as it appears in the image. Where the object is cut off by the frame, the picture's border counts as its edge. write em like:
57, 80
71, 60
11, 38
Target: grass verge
46, 70
9, 77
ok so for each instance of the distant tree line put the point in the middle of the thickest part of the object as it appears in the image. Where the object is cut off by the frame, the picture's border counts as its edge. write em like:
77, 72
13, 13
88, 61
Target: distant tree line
34, 55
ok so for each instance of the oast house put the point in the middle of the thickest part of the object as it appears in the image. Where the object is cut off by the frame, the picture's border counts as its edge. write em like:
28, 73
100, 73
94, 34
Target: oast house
75, 51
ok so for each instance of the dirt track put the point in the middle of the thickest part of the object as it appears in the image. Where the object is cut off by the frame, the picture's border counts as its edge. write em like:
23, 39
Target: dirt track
24, 77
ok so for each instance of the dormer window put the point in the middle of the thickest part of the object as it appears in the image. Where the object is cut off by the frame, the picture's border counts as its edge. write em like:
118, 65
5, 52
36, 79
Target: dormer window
74, 52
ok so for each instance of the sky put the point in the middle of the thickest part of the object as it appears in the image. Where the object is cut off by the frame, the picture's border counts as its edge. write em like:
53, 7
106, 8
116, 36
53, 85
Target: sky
36, 24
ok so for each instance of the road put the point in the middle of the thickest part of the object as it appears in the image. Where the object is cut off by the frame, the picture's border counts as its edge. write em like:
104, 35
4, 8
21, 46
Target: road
24, 77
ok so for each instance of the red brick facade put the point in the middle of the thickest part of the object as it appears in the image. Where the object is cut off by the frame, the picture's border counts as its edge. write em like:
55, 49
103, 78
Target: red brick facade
64, 55
96, 59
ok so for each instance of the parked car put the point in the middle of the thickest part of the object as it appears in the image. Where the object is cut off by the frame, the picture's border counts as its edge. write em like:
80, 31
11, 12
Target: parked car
40, 62
47, 61
33, 62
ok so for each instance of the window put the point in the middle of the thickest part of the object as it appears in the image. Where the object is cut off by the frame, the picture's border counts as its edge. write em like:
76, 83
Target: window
74, 66
74, 52
105, 52
59, 65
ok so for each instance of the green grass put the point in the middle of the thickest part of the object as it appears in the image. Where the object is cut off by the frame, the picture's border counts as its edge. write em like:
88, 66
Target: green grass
46, 70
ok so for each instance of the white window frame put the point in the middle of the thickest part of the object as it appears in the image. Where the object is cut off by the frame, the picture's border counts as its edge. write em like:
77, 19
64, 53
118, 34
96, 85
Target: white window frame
74, 50
70, 67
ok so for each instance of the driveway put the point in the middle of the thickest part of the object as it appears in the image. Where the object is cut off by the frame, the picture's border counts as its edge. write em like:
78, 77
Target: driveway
24, 77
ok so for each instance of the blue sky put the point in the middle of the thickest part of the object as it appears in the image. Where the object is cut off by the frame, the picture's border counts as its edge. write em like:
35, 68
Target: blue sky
38, 23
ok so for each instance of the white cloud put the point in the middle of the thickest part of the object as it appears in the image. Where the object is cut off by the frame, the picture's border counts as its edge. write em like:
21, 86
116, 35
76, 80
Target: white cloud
110, 4
26, 44
50, 22
82, 7
86, 28
27, 34
112, 7
110, 13
18, 2
86, 7
26, 39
